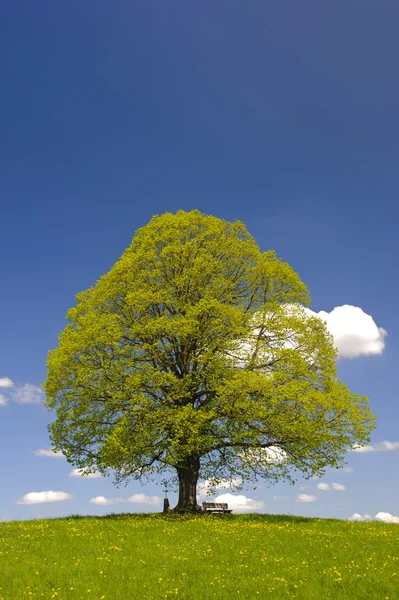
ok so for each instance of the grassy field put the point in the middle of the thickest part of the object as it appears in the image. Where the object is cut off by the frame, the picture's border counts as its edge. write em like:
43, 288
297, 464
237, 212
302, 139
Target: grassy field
241, 556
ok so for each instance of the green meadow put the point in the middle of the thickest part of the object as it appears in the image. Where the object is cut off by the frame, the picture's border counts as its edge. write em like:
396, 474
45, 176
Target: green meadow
198, 557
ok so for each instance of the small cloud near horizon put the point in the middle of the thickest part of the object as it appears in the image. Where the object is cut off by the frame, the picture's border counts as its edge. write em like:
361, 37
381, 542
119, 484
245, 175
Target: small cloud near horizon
103, 501
240, 503
134, 498
306, 498
384, 517
41, 497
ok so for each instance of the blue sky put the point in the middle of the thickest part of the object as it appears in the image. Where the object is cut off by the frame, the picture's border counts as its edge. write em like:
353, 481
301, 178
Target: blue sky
283, 115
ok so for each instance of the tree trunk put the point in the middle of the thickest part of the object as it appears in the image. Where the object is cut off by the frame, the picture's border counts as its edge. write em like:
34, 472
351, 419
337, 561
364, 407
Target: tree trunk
188, 474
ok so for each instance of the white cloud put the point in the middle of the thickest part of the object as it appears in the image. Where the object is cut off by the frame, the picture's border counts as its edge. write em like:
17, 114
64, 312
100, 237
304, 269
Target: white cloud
205, 487
275, 455
3, 400
381, 516
338, 487
240, 503
355, 332
27, 394
135, 498
306, 498
280, 497
48, 452
143, 499
79, 473
103, 501
40, 497
258, 456
383, 447
386, 518
347, 469
357, 517
326, 487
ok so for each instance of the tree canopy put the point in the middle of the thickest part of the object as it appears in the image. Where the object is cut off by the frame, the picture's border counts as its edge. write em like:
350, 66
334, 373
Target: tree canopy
195, 354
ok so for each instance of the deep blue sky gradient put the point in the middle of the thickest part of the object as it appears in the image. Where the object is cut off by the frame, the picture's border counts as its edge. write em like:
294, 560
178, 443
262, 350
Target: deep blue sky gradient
281, 114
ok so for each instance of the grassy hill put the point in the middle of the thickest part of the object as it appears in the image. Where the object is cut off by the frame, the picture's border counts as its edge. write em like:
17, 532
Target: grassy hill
239, 556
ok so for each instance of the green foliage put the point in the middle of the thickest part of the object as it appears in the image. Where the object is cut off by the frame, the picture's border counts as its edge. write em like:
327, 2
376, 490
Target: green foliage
123, 557
196, 343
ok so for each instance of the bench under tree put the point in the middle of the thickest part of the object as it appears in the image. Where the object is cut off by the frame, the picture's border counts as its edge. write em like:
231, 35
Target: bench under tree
216, 507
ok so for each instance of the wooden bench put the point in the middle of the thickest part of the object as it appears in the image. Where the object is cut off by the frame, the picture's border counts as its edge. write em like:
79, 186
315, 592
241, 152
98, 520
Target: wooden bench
216, 507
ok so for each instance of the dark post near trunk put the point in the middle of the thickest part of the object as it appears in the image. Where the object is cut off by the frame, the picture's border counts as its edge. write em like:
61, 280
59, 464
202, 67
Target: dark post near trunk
188, 474
166, 505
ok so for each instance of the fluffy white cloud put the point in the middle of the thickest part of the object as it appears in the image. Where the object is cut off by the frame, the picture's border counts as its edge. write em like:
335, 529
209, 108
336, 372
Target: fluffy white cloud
143, 499
381, 516
355, 332
326, 487
306, 498
338, 487
267, 456
103, 501
357, 517
3, 400
27, 394
206, 487
287, 339
240, 503
48, 452
78, 473
386, 518
383, 447
274, 455
41, 497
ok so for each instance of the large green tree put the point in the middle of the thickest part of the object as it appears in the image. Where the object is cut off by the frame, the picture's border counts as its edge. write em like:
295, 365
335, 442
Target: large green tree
195, 354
